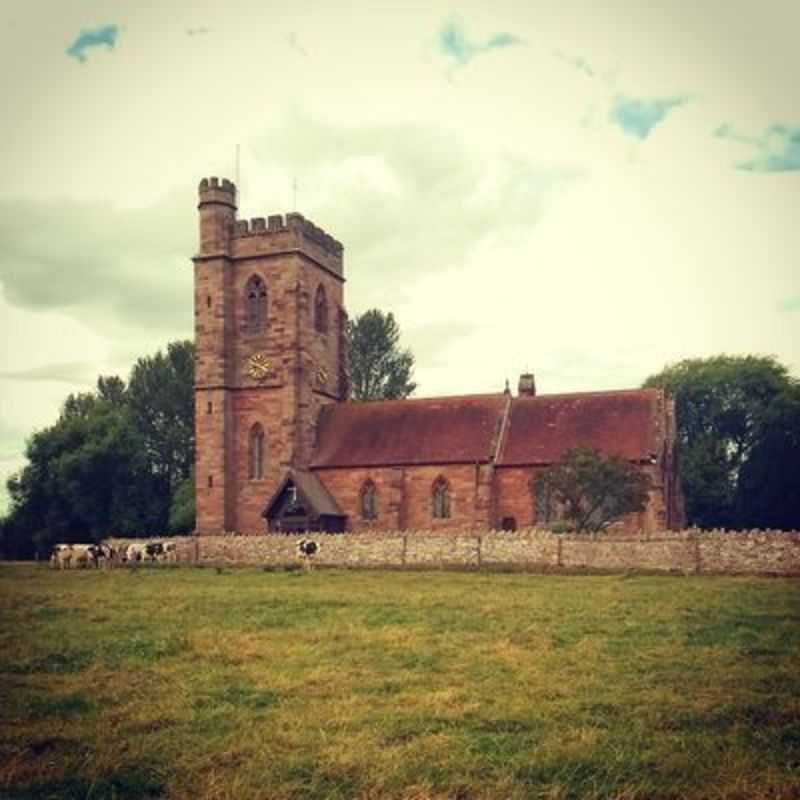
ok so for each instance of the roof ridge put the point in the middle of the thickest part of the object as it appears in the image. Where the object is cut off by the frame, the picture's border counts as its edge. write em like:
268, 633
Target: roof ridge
603, 392
405, 400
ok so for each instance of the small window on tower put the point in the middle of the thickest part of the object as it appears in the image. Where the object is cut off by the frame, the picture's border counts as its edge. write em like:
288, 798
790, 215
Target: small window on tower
256, 467
209, 407
255, 305
321, 311
208, 301
210, 481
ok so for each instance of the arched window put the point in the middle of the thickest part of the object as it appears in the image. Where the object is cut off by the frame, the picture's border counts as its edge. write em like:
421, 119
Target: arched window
255, 305
256, 461
441, 499
320, 310
543, 511
369, 501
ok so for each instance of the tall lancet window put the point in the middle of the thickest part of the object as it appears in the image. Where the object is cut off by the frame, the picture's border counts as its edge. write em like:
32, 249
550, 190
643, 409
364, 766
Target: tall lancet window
543, 506
321, 311
369, 501
441, 499
256, 472
255, 305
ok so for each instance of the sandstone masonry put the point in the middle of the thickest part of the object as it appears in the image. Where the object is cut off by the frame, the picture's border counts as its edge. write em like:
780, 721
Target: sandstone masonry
774, 553
276, 438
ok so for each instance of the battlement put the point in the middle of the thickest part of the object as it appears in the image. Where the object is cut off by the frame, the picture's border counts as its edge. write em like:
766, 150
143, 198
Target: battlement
222, 232
214, 183
292, 222
212, 190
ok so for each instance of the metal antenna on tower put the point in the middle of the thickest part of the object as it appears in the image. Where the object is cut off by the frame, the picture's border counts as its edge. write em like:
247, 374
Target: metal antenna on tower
236, 181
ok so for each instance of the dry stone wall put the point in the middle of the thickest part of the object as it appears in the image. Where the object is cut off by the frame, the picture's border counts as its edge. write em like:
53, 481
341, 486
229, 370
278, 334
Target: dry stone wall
686, 552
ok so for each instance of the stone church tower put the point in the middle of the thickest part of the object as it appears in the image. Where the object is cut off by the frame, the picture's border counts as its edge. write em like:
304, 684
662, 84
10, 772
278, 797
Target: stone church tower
269, 341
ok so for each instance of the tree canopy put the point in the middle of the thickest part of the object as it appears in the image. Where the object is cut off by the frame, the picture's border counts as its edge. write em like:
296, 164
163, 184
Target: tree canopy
116, 461
592, 491
736, 420
379, 368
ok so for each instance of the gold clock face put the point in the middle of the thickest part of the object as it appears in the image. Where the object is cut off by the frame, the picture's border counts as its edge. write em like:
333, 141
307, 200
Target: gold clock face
259, 367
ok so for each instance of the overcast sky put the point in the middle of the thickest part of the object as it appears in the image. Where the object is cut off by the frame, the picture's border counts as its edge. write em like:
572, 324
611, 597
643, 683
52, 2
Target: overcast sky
586, 190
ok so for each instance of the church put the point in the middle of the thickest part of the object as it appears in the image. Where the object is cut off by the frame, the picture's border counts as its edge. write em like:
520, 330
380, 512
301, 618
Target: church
280, 448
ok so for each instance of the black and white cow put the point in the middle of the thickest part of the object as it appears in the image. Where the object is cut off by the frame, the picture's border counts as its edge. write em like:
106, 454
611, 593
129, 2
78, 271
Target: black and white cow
106, 555
307, 549
151, 551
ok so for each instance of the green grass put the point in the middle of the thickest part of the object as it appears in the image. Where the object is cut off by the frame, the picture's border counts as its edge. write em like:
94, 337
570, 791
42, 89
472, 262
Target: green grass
192, 683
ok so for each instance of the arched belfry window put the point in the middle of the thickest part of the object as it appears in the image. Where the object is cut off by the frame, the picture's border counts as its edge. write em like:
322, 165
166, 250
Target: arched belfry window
441, 499
369, 501
321, 310
256, 461
255, 305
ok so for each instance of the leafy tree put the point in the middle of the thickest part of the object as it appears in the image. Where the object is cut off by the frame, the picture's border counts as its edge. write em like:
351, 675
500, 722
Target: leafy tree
721, 404
182, 510
161, 399
117, 460
768, 491
592, 491
379, 368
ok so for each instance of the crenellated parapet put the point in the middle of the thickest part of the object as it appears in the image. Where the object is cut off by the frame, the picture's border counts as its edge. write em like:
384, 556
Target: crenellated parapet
294, 222
222, 232
216, 191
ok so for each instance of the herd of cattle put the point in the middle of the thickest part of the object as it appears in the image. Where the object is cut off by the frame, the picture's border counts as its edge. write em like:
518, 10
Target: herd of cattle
73, 556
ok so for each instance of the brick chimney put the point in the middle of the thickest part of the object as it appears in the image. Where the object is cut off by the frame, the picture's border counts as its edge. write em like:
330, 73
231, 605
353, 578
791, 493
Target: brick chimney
527, 385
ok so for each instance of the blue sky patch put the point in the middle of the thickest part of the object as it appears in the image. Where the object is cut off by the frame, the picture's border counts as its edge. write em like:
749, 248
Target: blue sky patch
454, 43
778, 148
106, 34
638, 117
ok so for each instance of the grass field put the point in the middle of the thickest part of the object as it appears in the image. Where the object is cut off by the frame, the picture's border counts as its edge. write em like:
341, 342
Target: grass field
201, 683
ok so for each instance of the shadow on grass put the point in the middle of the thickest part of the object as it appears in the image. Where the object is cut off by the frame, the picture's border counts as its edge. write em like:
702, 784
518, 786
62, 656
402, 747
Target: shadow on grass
67, 662
111, 652
133, 784
71, 705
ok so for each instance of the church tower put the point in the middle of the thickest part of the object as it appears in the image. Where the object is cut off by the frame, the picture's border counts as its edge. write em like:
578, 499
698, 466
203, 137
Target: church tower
269, 354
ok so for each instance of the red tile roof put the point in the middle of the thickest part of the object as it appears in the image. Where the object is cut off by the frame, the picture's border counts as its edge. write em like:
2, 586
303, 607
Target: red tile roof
626, 423
447, 430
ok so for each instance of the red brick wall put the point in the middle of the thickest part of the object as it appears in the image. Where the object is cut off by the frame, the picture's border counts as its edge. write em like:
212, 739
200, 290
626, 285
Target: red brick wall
405, 496
464, 481
345, 485
513, 496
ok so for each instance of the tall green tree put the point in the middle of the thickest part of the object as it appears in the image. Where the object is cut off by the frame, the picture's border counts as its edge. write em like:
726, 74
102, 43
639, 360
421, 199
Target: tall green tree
592, 491
722, 405
117, 460
768, 490
161, 399
380, 369
86, 476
